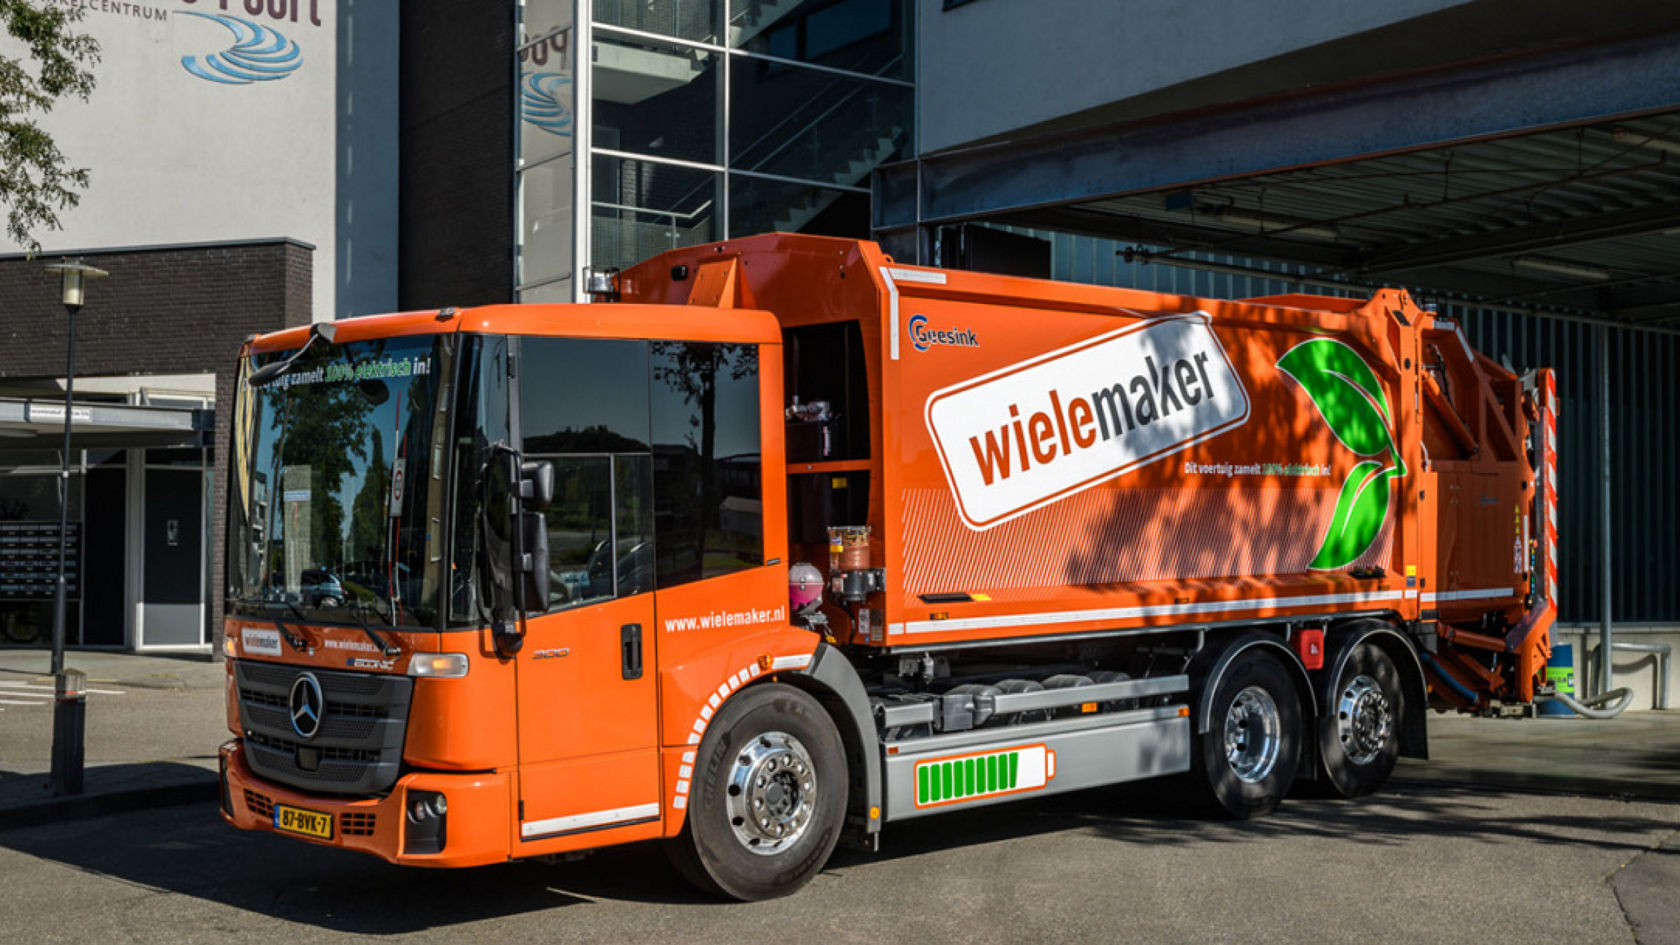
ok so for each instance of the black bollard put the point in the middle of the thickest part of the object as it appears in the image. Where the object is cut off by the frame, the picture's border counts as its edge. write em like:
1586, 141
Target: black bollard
69, 725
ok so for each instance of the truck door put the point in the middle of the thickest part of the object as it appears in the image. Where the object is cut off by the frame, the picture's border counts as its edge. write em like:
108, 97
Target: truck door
588, 728
587, 723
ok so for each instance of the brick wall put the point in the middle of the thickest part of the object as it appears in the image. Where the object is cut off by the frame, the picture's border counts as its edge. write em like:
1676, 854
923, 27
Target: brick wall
455, 184
170, 310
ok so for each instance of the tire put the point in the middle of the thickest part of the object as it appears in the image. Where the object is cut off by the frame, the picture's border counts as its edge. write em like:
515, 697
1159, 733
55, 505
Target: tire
771, 749
1359, 730
1245, 763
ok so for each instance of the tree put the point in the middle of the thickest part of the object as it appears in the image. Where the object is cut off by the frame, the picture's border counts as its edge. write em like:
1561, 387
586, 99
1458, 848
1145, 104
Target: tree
35, 179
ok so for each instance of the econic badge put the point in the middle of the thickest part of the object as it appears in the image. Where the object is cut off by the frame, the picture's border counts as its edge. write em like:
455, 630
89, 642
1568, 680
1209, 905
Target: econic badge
1040, 430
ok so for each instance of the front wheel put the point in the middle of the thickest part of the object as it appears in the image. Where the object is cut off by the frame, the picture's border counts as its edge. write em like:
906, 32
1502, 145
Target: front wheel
1245, 762
1358, 732
768, 796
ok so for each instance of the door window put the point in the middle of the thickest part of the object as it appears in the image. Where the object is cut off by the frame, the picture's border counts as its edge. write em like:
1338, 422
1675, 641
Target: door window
709, 520
584, 409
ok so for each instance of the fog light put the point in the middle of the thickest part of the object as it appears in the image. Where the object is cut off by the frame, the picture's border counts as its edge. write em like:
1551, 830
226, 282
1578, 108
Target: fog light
425, 831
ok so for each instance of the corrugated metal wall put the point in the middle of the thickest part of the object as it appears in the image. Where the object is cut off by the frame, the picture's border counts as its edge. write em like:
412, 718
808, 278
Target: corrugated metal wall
1644, 421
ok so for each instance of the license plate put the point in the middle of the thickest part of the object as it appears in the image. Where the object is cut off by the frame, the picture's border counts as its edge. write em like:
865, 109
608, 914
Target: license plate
307, 822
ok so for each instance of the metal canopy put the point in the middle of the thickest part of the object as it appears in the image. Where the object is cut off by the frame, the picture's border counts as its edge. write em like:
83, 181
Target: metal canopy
1548, 182
35, 424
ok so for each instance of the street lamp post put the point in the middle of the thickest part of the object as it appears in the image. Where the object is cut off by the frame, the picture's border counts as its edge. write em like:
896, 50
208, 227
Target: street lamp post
69, 702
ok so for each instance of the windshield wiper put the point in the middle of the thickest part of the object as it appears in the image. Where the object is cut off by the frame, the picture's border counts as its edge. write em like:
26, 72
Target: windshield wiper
355, 611
297, 642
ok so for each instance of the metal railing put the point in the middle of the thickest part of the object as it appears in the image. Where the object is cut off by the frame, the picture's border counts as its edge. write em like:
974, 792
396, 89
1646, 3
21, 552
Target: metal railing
1662, 651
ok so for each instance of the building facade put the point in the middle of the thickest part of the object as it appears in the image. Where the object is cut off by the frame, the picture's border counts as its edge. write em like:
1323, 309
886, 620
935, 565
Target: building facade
1510, 163
243, 178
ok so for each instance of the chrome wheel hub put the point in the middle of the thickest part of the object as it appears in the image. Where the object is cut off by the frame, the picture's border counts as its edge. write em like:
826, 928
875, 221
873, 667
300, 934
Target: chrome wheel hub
1252, 732
772, 793
1364, 720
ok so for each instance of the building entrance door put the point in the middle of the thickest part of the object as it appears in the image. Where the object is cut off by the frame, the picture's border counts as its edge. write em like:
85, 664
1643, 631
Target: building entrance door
172, 589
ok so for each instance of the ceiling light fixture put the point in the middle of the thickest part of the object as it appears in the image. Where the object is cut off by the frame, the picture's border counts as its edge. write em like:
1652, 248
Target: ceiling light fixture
1645, 141
1558, 268
1273, 225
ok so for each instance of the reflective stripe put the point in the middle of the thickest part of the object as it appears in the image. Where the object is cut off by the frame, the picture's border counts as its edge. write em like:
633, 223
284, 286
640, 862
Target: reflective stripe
893, 276
1158, 610
1480, 594
600, 818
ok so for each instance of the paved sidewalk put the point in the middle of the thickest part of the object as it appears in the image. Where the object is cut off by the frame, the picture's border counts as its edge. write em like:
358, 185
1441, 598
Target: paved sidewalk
154, 722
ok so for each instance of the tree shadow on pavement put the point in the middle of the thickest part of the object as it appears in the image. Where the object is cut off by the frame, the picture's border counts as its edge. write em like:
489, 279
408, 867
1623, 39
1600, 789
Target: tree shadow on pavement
1160, 813
188, 850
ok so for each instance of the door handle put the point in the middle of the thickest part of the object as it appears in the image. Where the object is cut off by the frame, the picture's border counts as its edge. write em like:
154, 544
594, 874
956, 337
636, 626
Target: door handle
630, 647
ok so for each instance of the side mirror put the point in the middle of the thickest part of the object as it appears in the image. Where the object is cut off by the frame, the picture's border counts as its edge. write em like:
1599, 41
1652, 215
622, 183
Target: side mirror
533, 566
536, 484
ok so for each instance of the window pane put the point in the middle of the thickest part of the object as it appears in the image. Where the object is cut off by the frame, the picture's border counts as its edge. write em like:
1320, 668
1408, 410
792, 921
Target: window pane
558, 292
545, 221
656, 98
583, 396
757, 205
689, 19
580, 551
546, 100
633, 485
707, 483
643, 209
813, 125
481, 410
857, 35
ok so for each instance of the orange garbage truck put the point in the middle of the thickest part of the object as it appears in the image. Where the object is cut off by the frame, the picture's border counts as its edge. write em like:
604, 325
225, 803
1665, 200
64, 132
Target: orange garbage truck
779, 541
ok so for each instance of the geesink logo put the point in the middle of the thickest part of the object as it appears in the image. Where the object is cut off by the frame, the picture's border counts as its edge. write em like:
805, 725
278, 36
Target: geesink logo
922, 337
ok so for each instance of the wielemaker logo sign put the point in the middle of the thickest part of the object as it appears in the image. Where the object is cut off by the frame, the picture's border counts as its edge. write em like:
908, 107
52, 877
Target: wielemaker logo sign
1034, 432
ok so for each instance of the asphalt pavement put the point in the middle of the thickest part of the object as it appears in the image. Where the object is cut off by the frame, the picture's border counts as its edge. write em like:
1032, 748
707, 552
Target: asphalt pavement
1414, 864
1566, 828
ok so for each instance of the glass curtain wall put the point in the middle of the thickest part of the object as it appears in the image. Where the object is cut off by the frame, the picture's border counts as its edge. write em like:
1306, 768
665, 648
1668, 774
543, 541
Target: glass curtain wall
702, 120
545, 167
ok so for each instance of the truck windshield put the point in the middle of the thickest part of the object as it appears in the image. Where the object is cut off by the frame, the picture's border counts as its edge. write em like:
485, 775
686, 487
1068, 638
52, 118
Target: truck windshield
338, 492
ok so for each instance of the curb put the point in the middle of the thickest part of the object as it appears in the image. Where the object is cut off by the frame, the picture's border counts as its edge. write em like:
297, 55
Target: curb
84, 806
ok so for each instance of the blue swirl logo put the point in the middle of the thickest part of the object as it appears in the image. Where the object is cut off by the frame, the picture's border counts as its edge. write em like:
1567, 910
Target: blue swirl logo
258, 54
540, 103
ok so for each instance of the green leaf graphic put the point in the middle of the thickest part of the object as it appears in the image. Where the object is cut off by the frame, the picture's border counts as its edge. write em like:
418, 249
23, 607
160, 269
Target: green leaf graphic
1349, 397
1344, 390
1360, 511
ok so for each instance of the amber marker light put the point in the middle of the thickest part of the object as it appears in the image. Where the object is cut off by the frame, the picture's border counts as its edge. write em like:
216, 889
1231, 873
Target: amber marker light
438, 665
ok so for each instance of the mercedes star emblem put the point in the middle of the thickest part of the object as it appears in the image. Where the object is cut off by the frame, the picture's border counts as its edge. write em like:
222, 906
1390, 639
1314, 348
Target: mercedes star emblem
306, 704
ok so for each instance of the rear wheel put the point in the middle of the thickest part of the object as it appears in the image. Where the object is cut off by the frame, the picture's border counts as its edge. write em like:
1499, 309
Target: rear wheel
1245, 762
768, 796
1358, 732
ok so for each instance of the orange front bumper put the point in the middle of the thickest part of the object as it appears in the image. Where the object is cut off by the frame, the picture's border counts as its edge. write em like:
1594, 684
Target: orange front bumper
479, 829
